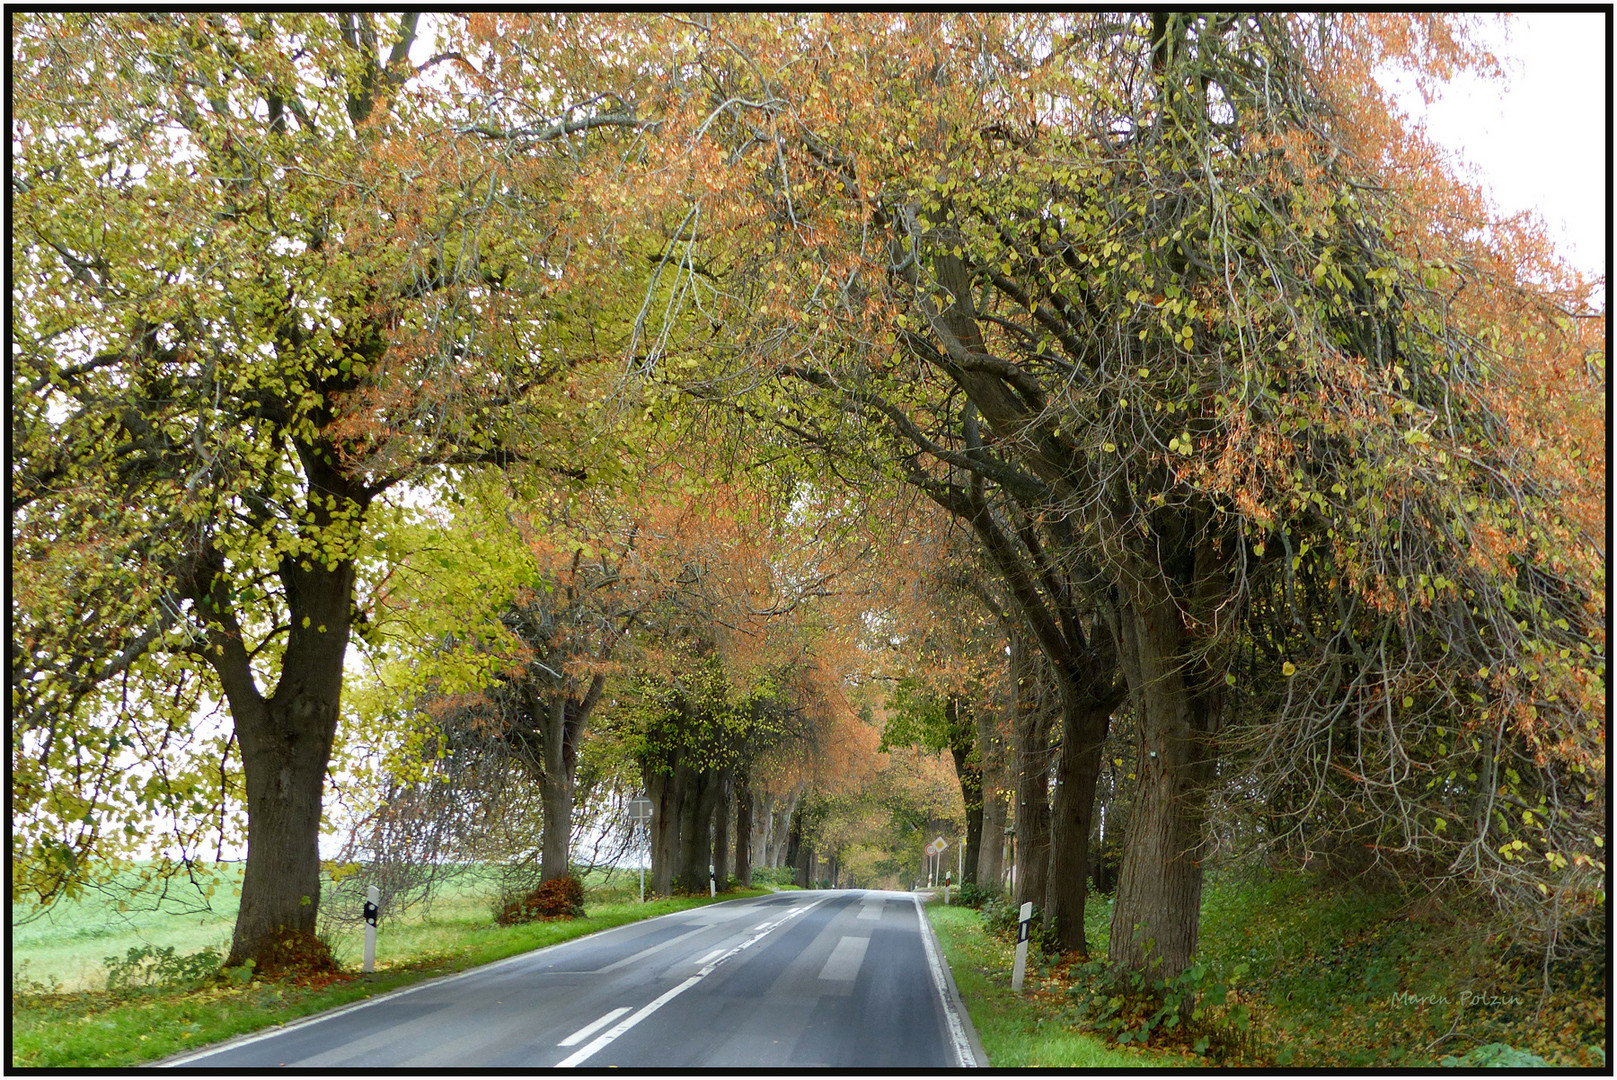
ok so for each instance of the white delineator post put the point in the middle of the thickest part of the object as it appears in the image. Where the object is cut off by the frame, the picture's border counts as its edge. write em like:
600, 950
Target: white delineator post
373, 897
1024, 918
712, 886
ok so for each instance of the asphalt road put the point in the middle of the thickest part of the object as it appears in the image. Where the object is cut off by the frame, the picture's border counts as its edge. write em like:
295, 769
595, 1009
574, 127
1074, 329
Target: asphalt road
846, 979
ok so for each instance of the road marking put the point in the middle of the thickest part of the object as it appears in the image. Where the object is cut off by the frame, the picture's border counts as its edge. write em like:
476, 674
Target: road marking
710, 956
643, 953
426, 984
590, 1029
957, 1031
612, 1033
843, 964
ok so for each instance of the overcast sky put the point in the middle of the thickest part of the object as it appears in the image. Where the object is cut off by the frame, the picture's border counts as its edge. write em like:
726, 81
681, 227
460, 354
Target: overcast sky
1537, 140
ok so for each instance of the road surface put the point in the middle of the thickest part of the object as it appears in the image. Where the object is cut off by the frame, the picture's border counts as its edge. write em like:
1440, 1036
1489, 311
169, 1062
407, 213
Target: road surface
841, 979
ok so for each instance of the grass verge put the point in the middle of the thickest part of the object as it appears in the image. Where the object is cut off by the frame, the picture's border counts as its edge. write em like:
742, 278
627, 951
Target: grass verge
115, 1029
1020, 1031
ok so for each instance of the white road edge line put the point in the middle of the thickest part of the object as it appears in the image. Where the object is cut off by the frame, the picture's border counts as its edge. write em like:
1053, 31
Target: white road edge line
590, 1029
710, 956
612, 1033
957, 1031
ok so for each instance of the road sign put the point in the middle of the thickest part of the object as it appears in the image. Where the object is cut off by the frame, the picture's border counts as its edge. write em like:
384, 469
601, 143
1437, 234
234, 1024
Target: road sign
940, 843
639, 811
934, 847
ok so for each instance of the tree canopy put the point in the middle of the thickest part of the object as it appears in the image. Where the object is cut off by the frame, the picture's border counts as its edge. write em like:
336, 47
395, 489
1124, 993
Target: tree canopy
1247, 423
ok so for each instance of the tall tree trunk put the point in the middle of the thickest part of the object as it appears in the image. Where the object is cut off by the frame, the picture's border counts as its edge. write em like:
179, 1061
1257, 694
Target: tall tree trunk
962, 741
696, 827
783, 852
1031, 742
744, 830
721, 829
991, 847
1084, 724
666, 785
555, 792
563, 718
285, 743
1158, 907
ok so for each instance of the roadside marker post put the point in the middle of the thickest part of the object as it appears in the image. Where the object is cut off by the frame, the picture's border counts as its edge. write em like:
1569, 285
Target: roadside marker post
712, 886
373, 908
1024, 918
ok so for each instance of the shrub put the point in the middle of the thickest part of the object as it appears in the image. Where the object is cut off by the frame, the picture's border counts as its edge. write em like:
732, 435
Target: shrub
1193, 1009
972, 895
774, 875
999, 920
147, 965
559, 898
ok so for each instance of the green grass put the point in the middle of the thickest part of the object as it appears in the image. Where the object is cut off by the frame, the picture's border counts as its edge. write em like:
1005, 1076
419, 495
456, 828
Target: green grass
98, 1028
1019, 1031
1336, 973
1334, 969
67, 942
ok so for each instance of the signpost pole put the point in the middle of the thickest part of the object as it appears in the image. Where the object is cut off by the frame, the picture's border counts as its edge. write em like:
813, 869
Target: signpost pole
1024, 917
640, 813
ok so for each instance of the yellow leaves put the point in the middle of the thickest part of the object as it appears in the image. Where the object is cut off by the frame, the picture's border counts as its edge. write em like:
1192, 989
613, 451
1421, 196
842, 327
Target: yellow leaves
1288, 669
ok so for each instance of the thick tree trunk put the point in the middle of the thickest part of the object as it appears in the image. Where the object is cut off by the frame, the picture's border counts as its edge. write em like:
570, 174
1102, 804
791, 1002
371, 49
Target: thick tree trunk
1158, 905
555, 792
284, 757
285, 743
667, 787
1031, 743
744, 830
1077, 770
991, 848
563, 719
696, 831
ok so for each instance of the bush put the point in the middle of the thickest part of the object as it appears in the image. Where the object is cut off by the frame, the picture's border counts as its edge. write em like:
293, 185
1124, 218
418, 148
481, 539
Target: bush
559, 898
1193, 1009
972, 895
147, 965
774, 875
999, 920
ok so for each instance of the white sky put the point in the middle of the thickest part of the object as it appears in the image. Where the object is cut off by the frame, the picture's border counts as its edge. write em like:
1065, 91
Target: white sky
1537, 140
